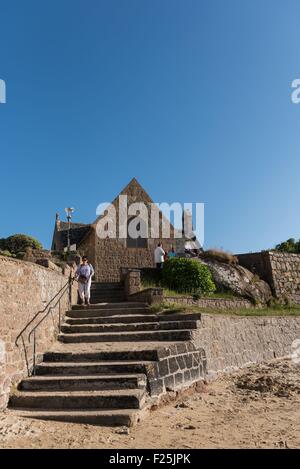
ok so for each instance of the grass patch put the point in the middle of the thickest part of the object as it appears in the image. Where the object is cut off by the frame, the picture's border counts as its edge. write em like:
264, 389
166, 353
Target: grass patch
167, 291
278, 310
171, 293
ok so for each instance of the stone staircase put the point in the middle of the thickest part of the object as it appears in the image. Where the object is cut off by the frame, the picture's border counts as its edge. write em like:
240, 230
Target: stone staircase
107, 292
107, 362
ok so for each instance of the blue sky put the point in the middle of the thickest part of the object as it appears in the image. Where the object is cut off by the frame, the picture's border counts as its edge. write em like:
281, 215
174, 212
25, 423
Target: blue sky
192, 97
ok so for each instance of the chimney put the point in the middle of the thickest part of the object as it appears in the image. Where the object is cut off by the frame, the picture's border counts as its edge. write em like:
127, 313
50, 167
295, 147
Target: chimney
187, 224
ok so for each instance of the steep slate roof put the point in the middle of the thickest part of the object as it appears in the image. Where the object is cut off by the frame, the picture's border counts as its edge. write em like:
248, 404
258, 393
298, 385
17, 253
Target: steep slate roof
76, 234
64, 225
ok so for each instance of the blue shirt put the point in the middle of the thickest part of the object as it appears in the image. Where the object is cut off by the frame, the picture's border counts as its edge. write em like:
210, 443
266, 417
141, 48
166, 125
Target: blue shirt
171, 254
85, 270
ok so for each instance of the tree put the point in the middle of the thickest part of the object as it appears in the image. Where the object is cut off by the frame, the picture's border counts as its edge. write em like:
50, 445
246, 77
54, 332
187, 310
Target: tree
19, 243
290, 245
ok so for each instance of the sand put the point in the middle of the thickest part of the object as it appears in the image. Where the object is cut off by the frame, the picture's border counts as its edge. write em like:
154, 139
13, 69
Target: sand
257, 407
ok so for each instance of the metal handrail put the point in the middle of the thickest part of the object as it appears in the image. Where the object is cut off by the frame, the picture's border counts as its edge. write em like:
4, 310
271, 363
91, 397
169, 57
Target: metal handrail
47, 310
38, 313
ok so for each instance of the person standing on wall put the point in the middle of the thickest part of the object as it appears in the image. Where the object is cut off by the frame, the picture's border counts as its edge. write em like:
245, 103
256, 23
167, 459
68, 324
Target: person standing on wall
83, 275
159, 256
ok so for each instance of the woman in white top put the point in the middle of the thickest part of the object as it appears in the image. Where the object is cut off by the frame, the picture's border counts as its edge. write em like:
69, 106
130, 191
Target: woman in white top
84, 275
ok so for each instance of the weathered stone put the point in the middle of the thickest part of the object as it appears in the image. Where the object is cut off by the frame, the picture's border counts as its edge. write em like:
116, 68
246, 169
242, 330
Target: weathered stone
173, 365
280, 269
181, 362
239, 280
178, 379
149, 295
180, 348
189, 360
169, 383
156, 387
47, 263
164, 368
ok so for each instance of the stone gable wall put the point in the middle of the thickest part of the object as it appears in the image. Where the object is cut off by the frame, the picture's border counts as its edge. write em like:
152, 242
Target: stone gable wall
109, 255
25, 289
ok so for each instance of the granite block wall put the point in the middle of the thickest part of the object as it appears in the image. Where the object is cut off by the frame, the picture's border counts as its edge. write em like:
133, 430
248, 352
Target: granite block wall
25, 289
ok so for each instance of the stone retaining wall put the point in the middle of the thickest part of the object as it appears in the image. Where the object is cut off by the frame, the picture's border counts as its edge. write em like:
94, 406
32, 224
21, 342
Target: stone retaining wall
211, 303
25, 289
231, 342
281, 270
149, 295
178, 365
285, 275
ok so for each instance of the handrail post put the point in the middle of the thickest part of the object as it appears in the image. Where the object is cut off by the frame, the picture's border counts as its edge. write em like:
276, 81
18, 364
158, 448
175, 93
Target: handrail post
26, 358
59, 316
70, 291
34, 351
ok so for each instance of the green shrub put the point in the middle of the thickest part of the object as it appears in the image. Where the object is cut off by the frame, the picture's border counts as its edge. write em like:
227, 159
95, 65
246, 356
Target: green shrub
187, 276
4, 252
150, 277
2, 244
19, 243
290, 245
20, 255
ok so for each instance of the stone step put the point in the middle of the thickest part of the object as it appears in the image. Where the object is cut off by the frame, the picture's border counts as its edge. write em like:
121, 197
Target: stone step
80, 383
115, 399
132, 327
91, 368
95, 312
132, 318
124, 319
107, 299
105, 285
139, 355
110, 418
107, 292
120, 305
96, 299
170, 335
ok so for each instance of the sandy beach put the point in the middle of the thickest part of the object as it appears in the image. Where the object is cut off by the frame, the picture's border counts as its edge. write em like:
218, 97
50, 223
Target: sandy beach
257, 407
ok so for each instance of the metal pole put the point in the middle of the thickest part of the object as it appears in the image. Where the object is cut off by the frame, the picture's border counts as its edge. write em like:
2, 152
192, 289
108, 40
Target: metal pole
59, 322
33, 371
69, 228
70, 291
